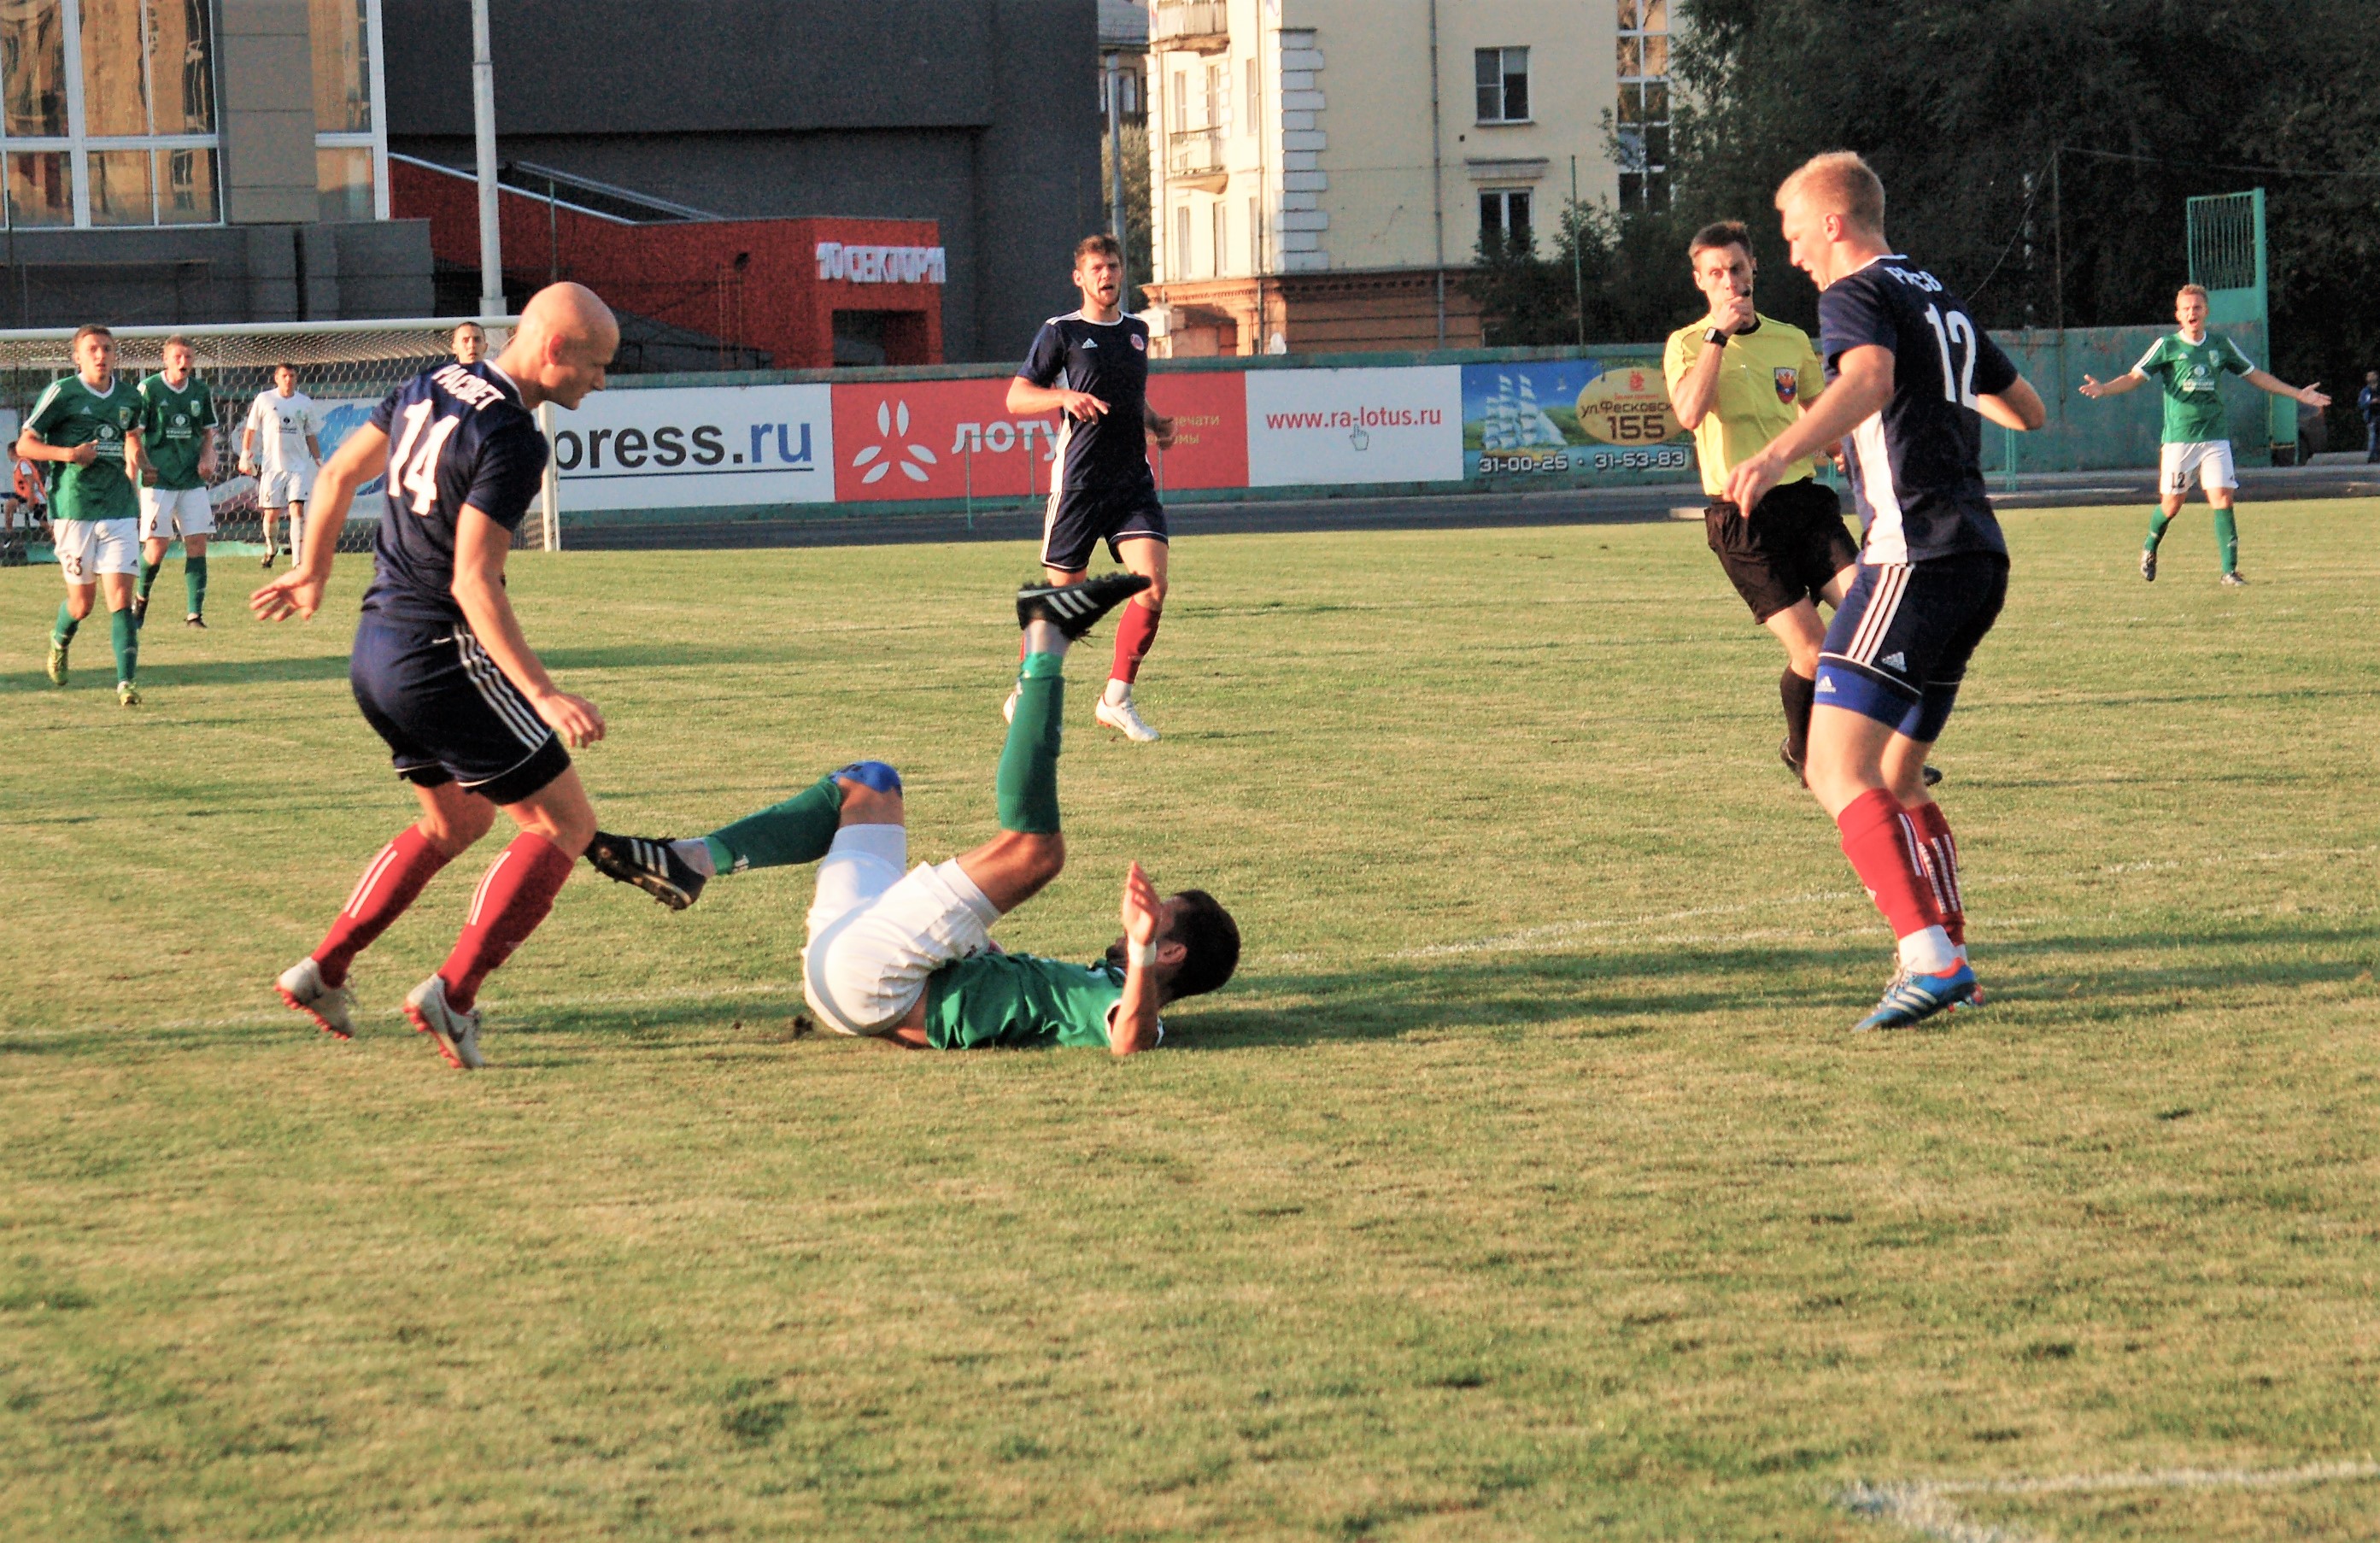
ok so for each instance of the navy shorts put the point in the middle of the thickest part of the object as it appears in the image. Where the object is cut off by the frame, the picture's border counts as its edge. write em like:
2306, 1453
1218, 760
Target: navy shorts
1900, 644
448, 713
1080, 518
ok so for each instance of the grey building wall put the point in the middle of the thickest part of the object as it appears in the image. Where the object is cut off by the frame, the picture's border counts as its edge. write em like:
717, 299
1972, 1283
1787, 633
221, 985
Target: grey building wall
981, 114
264, 60
165, 277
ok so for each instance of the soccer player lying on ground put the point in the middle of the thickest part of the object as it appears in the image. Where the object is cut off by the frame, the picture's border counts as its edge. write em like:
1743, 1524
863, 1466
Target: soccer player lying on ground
911, 959
1912, 378
441, 668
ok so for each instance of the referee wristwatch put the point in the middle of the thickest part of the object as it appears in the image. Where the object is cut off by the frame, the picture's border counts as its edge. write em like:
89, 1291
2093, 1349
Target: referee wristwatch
1717, 337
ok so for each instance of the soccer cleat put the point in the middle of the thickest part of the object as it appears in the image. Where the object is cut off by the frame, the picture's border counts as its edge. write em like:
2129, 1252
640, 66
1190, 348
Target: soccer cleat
332, 1007
127, 694
1912, 999
57, 666
194, 619
1075, 609
269, 555
2233, 581
140, 612
1932, 775
2148, 563
457, 1033
649, 863
1785, 754
1125, 720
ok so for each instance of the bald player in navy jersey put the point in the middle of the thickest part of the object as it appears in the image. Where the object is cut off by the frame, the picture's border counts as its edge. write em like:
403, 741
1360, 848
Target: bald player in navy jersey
1092, 366
1911, 377
441, 668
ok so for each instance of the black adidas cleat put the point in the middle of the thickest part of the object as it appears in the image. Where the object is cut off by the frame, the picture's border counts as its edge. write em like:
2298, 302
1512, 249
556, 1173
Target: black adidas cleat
1932, 775
648, 863
1075, 609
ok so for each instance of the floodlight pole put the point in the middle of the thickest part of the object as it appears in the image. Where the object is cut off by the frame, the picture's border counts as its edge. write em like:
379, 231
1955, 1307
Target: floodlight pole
1115, 180
484, 123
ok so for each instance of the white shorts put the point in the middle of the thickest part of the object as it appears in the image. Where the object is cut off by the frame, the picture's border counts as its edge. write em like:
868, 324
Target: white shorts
278, 490
168, 512
874, 935
88, 548
2210, 459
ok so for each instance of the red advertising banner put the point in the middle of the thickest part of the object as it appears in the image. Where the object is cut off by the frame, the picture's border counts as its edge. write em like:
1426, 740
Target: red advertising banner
953, 439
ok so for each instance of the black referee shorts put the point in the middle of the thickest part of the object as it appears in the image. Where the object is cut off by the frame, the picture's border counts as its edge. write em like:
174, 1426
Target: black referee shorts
1788, 551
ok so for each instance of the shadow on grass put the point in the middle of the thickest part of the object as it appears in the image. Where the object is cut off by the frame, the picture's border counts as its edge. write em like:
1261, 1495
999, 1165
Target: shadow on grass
98, 672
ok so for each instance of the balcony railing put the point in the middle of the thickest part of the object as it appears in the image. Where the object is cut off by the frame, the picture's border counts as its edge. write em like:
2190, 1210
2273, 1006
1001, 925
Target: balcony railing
1192, 26
1196, 156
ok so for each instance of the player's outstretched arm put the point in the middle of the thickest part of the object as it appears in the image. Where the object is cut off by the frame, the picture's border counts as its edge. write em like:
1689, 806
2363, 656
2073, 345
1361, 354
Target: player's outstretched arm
480, 547
1028, 400
2094, 388
1135, 1019
2311, 394
1862, 385
362, 456
2018, 408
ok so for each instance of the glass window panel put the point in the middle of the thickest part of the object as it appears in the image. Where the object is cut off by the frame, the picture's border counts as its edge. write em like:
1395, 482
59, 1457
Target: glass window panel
186, 188
1657, 145
1516, 83
1628, 14
1630, 145
345, 174
1516, 217
1632, 189
181, 67
1632, 57
1656, 100
1657, 15
33, 61
1656, 54
119, 188
1632, 104
39, 191
1491, 218
1487, 67
1491, 104
115, 88
342, 66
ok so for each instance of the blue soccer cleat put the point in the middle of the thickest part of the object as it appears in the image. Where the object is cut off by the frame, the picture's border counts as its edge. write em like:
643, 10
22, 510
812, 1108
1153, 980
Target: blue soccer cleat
1912, 999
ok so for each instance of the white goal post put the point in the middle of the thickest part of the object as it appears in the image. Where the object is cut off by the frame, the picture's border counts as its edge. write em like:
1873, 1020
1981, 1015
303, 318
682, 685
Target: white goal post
347, 368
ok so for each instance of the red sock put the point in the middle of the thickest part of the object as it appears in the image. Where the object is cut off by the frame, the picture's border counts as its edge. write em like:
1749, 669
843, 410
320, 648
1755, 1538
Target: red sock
514, 898
1135, 630
388, 886
1882, 847
1939, 852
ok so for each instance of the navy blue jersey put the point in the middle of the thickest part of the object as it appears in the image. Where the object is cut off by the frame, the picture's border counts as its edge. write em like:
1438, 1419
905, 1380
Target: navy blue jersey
1917, 465
458, 435
1110, 360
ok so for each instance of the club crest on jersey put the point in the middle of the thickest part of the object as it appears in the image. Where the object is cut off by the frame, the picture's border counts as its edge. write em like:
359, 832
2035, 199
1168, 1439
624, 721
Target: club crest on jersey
1140, 342
1788, 382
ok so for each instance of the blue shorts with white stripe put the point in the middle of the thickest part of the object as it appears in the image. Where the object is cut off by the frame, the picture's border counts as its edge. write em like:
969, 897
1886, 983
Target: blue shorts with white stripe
448, 713
1898, 646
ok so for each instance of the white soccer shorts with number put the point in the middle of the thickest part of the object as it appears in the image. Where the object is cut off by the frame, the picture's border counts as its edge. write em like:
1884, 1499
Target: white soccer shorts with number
88, 548
2211, 459
168, 512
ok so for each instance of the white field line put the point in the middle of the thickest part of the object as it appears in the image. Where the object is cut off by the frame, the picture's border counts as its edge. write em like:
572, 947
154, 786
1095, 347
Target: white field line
1923, 1506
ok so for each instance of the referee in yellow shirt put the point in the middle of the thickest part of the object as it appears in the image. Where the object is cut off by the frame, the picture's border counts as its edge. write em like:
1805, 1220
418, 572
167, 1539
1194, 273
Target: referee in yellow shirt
1738, 380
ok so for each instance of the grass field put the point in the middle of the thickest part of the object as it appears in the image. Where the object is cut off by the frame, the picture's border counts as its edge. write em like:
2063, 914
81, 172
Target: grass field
1525, 1185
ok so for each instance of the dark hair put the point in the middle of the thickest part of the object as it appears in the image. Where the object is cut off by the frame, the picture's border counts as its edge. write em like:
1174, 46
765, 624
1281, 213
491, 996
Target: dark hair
1212, 940
1720, 233
1103, 244
285, 365
92, 330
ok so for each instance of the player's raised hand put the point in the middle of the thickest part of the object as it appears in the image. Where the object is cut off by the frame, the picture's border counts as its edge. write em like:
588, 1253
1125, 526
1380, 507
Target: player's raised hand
2312, 396
2093, 387
1082, 406
574, 718
295, 593
1141, 911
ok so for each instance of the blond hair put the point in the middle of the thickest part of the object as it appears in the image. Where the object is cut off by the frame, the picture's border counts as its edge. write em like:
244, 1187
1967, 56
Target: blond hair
1839, 183
2197, 289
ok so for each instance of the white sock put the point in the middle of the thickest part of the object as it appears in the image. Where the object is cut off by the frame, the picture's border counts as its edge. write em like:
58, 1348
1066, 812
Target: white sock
696, 854
1928, 952
1118, 692
1042, 637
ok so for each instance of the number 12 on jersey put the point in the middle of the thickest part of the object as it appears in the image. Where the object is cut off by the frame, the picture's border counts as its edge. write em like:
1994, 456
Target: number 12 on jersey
416, 471
1955, 332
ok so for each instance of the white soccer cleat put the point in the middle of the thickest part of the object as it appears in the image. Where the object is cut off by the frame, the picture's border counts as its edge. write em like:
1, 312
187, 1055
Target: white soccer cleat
1125, 720
457, 1033
332, 1007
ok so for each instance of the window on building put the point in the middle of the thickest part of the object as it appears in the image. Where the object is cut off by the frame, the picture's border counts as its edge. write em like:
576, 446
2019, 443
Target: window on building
1248, 100
1503, 78
1504, 218
1180, 244
1642, 117
350, 124
1256, 237
1222, 237
1219, 97
1181, 102
131, 138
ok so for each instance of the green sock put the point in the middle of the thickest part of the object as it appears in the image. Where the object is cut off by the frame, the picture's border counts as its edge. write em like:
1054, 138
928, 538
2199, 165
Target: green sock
2157, 522
64, 632
148, 577
1028, 762
797, 830
194, 580
126, 638
2227, 539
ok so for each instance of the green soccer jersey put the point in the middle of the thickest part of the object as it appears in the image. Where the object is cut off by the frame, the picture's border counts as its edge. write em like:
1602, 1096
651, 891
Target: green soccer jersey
2191, 376
174, 426
69, 413
1017, 999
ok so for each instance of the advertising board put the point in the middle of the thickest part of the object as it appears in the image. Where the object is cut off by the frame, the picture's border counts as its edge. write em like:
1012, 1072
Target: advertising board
1564, 416
1395, 424
697, 447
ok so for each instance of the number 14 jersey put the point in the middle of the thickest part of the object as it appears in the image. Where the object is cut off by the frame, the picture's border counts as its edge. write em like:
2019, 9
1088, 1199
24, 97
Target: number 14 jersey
1917, 470
458, 436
